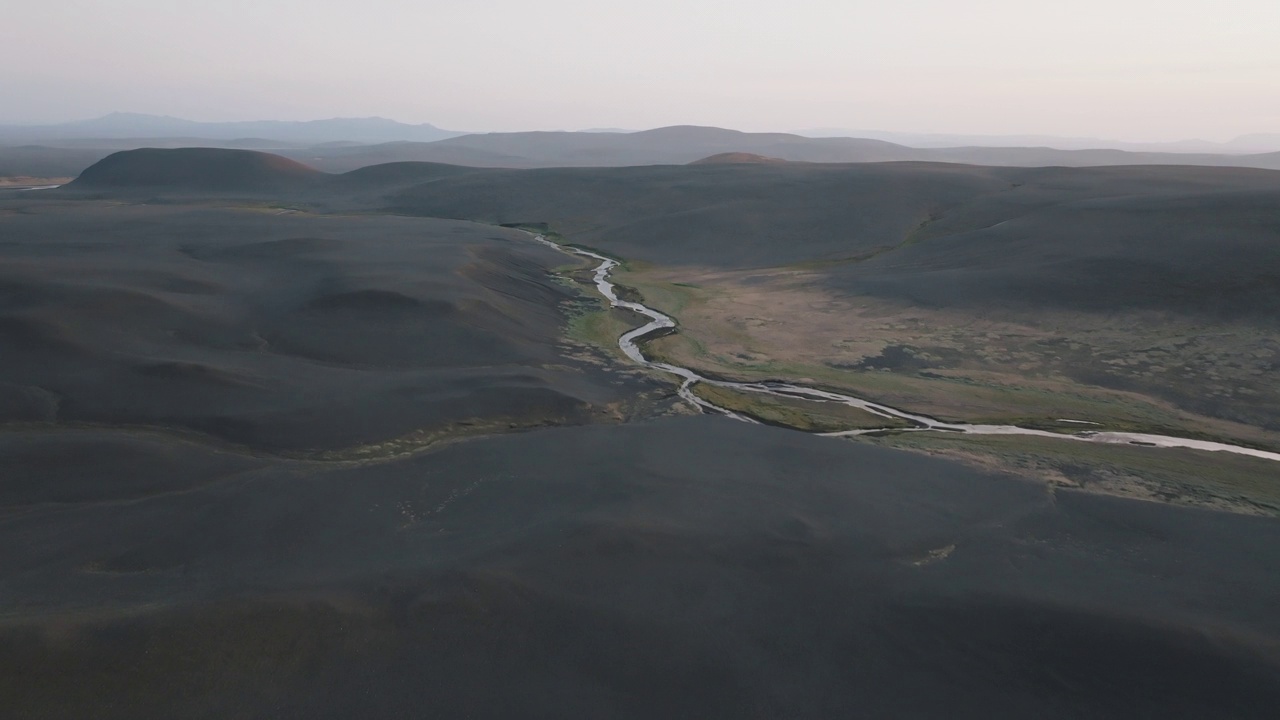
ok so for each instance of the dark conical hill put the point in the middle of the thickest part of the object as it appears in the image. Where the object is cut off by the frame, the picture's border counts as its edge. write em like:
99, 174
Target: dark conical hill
207, 169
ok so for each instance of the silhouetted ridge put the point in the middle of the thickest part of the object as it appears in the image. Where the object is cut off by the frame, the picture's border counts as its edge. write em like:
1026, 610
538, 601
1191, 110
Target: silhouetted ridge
196, 169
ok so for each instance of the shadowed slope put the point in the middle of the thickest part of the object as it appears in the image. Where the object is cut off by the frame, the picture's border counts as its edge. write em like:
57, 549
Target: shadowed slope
692, 568
284, 332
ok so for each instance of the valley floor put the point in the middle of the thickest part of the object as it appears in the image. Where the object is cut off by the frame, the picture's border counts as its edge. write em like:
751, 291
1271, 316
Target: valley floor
1122, 372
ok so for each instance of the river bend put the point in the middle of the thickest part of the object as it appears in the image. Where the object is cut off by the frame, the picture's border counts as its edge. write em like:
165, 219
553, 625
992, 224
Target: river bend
629, 343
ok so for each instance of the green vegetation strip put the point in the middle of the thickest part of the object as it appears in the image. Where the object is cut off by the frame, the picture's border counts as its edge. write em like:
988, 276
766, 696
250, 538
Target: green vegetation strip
1218, 480
807, 415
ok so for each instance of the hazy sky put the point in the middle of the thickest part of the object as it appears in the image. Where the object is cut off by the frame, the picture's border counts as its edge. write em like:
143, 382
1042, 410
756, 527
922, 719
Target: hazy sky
1129, 69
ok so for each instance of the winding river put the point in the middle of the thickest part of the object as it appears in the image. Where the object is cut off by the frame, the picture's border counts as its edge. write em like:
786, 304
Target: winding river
918, 423
28, 188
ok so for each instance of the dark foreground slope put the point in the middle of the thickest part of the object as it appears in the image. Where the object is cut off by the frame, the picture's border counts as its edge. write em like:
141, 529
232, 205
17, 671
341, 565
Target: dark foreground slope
681, 568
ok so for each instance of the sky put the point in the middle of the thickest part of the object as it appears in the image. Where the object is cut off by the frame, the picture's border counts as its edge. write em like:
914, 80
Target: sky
1125, 69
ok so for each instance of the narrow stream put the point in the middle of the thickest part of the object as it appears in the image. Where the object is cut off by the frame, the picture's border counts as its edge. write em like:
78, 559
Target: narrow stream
28, 188
919, 423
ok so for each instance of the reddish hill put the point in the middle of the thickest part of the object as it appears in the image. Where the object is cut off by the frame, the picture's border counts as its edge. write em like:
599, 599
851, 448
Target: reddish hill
736, 158
207, 169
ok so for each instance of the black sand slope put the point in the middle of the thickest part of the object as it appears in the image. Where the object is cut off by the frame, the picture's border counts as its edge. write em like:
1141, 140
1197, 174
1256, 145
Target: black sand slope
682, 568
282, 332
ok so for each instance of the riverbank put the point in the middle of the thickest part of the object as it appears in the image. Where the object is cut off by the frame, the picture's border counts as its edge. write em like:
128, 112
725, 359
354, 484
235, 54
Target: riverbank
897, 421
32, 183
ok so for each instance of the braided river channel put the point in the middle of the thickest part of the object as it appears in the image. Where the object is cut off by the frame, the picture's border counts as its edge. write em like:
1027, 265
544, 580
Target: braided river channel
630, 341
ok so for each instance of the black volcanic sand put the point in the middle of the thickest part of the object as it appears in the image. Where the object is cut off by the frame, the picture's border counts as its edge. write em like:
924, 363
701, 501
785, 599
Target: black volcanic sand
690, 567
176, 546
281, 332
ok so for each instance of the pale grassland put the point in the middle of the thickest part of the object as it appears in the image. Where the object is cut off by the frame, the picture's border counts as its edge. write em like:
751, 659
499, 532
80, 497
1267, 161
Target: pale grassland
807, 415
1126, 372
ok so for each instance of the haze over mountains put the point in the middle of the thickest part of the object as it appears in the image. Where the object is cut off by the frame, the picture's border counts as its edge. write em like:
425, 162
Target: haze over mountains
341, 145
120, 125
372, 130
1244, 144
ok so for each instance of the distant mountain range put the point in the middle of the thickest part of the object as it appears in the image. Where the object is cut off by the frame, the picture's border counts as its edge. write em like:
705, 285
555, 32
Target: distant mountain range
685, 144
342, 145
374, 130
132, 125
1255, 143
